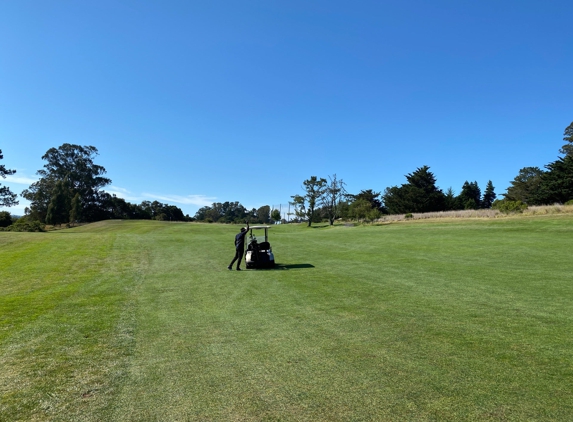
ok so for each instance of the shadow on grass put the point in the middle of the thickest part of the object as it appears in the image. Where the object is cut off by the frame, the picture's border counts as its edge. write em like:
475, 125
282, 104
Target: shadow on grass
292, 266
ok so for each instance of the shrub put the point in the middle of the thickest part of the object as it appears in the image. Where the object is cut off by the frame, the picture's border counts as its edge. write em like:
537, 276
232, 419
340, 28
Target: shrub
161, 217
5, 219
570, 202
25, 225
507, 207
408, 216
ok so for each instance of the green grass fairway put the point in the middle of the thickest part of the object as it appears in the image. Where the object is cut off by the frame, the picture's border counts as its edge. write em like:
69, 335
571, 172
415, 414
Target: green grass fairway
141, 321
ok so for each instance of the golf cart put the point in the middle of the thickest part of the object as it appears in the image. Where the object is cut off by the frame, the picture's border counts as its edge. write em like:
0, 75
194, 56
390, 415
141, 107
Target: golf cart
259, 252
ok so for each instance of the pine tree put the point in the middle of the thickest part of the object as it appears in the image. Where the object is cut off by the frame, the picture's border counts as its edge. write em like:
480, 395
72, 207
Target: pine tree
450, 200
470, 196
488, 196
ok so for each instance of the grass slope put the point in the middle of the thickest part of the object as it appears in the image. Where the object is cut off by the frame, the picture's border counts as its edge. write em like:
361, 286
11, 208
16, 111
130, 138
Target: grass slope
133, 320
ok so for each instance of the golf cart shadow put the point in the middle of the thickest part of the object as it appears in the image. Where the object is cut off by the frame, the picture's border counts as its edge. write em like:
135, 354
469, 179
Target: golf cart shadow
292, 266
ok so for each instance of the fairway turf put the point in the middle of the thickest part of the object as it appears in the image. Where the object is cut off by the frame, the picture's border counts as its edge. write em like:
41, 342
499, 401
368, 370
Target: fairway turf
140, 320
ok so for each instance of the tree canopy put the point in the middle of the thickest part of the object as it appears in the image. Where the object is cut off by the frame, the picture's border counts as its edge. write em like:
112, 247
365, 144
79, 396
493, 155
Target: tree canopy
488, 196
524, 185
305, 205
7, 197
333, 195
420, 194
534, 186
567, 149
556, 184
470, 196
73, 164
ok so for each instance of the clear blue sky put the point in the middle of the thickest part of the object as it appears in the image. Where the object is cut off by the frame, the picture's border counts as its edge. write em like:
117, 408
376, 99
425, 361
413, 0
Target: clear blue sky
192, 102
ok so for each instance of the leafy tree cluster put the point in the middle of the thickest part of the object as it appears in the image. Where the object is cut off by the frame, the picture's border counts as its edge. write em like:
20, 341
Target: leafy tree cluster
7, 197
366, 205
69, 170
19, 224
419, 194
70, 190
6, 219
119, 208
323, 199
234, 212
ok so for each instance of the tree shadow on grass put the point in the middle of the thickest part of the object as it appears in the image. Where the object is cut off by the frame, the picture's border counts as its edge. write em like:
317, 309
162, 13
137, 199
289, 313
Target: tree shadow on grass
291, 266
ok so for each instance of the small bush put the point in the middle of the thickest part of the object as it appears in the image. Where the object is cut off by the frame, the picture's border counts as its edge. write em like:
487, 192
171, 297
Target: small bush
509, 206
408, 216
570, 202
5, 219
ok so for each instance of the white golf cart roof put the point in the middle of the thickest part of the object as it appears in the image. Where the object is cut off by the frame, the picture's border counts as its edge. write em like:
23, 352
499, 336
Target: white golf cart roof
259, 227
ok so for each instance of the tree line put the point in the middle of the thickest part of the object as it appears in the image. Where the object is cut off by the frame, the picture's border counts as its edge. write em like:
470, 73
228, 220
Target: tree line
234, 212
70, 191
535, 186
327, 199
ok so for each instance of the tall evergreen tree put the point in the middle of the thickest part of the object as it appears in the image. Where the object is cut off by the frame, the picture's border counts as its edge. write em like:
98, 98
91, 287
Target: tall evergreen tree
420, 194
450, 200
525, 185
488, 196
470, 196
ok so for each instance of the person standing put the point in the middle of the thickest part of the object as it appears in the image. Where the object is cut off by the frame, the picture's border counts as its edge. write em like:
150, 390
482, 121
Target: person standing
239, 247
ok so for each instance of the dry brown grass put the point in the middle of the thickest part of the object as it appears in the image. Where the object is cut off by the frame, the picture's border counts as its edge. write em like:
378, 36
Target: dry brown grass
472, 214
549, 209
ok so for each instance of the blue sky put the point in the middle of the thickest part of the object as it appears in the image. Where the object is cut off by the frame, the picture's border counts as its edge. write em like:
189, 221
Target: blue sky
192, 102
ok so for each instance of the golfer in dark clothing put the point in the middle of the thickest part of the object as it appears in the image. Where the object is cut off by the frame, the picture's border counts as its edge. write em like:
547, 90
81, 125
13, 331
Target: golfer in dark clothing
239, 248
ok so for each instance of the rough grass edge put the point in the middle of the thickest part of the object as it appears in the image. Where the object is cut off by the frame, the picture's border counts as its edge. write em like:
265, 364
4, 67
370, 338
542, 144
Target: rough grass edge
472, 214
